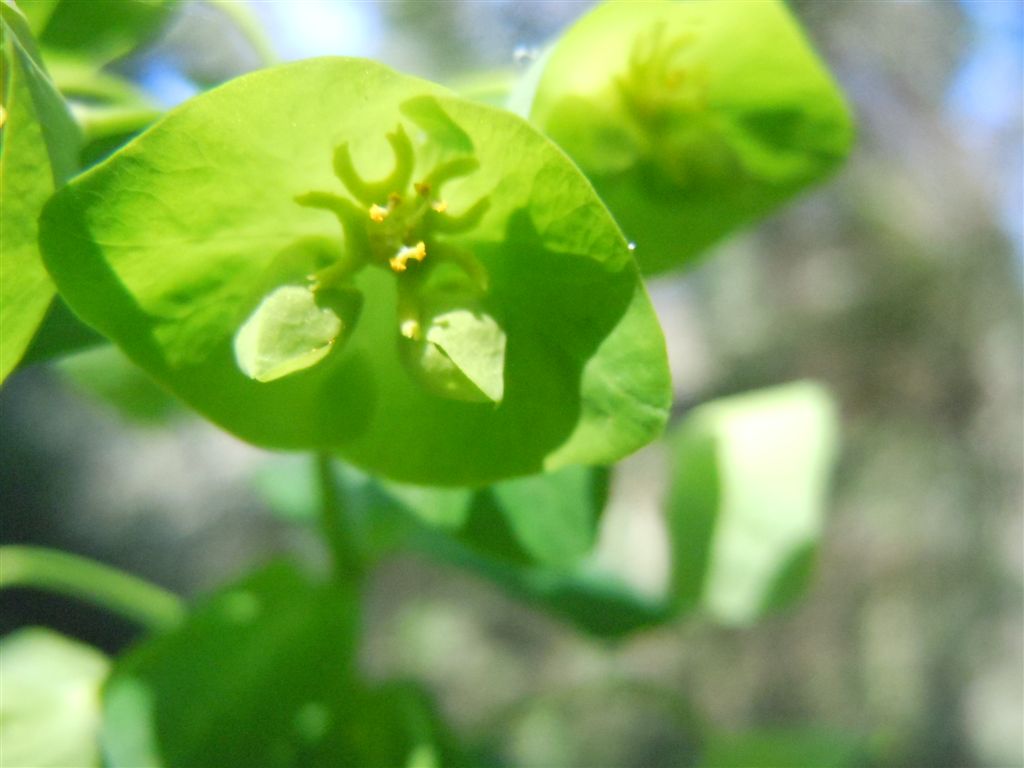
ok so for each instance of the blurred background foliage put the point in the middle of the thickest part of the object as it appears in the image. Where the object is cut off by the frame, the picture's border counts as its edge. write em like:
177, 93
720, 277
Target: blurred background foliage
898, 284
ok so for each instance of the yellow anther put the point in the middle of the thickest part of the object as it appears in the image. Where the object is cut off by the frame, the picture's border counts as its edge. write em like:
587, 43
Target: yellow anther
400, 260
422, 188
439, 205
410, 329
377, 213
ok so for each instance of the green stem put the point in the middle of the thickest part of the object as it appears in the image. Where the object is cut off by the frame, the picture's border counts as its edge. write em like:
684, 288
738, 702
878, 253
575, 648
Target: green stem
338, 527
102, 122
75, 576
249, 25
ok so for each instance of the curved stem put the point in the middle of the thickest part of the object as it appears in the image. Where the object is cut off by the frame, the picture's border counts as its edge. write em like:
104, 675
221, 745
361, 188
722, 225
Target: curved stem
102, 585
337, 526
248, 23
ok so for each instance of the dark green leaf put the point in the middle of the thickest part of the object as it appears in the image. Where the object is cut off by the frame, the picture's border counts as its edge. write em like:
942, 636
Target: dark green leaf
97, 30
743, 518
691, 118
50, 708
534, 536
262, 674
171, 274
489, 532
550, 519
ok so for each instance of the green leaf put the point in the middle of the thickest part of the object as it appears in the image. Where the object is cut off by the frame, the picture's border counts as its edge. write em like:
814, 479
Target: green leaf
548, 519
747, 501
534, 537
690, 118
261, 674
743, 519
748, 485
98, 30
38, 153
50, 708
531, 536
107, 375
288, 485
168, 247
785, 749
37, 13
79, 39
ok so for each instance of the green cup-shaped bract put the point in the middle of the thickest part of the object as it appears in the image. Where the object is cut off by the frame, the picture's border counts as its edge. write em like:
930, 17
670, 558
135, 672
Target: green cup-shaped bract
288, 332
691, 118
173, 242
461, 355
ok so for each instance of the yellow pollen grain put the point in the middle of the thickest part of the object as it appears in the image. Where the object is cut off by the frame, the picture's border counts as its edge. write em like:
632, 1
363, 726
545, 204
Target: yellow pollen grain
377, 213
400, 260
439, 205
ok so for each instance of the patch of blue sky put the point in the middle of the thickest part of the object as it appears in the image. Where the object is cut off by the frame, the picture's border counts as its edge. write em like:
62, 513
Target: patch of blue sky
307, 28
985, 100
163, 82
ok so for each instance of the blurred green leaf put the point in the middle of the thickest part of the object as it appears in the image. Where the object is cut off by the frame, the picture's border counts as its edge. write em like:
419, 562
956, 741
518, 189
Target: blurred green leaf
594, 600
548, 519
59, 333
585, 375
490, 532
78, 40
488, 87
288, 485
50, 708
746, 505
108, 108
691, 118
98, 30
262, 674
38, 153
745, 510
617, 721
37, 13
784, 749
106, 374
533, 536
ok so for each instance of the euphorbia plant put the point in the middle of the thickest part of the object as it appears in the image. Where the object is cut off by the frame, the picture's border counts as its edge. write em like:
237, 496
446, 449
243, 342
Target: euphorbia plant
329, 256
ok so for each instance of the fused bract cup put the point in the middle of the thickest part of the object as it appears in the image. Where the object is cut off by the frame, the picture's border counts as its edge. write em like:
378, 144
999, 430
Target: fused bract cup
297, 184
691, 118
